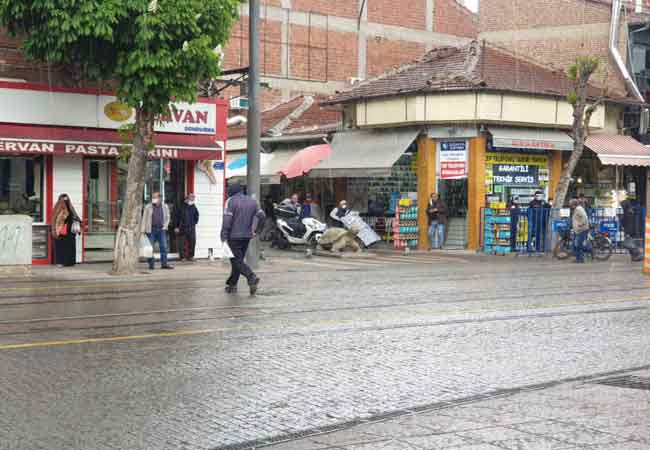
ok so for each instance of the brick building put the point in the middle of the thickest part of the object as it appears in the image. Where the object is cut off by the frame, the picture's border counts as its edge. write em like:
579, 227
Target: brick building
554, 32
321, 46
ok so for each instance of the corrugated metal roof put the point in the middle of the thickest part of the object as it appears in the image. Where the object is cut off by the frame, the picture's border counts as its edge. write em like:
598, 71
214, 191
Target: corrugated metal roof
617, 150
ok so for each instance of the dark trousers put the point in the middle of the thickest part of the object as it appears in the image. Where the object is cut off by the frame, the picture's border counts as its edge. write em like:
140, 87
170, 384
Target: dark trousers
238, 264
158, 235
579, 244
189, 244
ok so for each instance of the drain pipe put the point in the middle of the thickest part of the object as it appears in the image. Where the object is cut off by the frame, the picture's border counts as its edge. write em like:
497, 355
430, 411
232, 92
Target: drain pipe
616, 55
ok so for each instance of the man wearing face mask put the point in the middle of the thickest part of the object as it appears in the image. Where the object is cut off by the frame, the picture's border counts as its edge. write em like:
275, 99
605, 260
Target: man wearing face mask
155, 220
186, 221
538, 211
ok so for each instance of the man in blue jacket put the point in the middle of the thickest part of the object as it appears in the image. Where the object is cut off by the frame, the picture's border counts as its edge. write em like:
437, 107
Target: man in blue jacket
242, 219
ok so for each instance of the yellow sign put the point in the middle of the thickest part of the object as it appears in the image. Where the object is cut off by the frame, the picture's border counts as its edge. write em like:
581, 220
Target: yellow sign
516, 159
118, 111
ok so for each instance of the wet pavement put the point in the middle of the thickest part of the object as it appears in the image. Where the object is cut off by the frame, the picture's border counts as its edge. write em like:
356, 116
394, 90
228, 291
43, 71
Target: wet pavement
168, 361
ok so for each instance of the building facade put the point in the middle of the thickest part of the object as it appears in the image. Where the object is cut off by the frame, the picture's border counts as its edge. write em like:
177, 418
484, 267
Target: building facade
319, 47
65, 140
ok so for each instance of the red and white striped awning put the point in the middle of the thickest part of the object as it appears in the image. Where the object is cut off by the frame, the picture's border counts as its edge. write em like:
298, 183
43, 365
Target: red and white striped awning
616, 150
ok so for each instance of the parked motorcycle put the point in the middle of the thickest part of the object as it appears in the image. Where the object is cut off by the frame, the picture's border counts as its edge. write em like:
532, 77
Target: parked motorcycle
598, 245
292, 230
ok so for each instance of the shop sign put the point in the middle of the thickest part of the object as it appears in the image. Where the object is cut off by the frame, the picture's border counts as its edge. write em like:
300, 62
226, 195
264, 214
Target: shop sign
537, 144
107, 150
34, 107
515, 174
453, 160
515, 158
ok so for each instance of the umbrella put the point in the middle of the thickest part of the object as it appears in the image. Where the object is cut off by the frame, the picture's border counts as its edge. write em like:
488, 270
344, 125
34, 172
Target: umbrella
305, 160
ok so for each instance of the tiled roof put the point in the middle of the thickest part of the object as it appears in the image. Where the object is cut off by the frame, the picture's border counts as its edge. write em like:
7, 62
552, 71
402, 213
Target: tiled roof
300, 115
470, 67
270, 118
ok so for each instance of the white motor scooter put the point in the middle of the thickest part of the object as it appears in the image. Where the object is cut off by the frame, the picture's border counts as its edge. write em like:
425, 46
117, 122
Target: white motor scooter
291, 230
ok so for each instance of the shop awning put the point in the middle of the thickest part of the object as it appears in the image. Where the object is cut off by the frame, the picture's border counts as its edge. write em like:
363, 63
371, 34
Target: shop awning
270, 166
616, 150
531, 138
365, 153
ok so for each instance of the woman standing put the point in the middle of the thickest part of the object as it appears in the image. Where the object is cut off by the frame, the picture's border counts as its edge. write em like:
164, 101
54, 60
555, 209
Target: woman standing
66, 224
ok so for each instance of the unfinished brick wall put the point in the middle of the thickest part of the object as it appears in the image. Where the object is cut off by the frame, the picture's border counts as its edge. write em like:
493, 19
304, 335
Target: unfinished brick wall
452, 18
339, 8
411, 14
501, 15
383, 54
554, 33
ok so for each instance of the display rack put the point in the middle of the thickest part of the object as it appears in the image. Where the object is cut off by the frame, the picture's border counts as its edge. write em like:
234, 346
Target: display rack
405, 225
497, 231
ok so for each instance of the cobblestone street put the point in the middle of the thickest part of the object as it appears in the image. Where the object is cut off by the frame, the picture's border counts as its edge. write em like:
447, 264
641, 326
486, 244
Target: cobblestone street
386, 352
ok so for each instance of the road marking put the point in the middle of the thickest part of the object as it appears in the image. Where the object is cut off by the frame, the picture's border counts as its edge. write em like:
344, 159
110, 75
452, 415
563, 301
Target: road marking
182, 333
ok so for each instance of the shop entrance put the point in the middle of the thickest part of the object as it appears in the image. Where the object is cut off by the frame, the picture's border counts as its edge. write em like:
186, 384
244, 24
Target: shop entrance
105, 192
454, 194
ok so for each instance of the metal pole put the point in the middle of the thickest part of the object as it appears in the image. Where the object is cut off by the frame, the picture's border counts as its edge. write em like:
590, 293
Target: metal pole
254, 120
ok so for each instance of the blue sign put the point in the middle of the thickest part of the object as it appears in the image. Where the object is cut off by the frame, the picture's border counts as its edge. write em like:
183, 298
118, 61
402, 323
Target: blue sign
218, 165
453, 146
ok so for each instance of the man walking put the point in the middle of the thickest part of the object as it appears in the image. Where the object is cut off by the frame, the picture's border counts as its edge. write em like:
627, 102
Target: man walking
241, 219
580, 224
186, 221
155, 220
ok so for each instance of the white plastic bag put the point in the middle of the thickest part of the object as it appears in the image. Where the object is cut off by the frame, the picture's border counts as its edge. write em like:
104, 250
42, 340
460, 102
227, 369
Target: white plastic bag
145, 249
227, 253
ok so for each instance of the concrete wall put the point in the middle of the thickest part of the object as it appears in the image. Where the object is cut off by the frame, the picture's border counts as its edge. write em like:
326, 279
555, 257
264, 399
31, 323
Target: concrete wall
209, 201
475, 107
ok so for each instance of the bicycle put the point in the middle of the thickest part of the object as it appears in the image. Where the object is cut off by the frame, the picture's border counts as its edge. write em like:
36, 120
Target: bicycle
598, 245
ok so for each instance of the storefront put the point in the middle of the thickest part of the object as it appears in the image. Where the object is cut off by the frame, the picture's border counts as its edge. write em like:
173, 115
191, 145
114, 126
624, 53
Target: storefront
55, 141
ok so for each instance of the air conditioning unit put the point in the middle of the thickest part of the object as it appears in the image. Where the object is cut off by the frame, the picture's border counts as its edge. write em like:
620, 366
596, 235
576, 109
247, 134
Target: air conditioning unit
354, 80
239, 103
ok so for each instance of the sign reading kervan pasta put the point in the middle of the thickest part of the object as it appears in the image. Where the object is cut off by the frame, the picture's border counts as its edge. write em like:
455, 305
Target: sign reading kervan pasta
35, 107
105, 150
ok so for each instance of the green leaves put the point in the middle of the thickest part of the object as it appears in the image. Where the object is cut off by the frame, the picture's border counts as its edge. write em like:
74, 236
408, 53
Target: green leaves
155, 50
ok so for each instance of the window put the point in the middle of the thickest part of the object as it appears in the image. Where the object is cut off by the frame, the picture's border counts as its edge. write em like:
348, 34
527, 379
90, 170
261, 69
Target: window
21, 186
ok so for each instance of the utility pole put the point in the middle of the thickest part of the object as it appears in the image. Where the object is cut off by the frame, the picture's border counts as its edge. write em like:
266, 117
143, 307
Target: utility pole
254, 120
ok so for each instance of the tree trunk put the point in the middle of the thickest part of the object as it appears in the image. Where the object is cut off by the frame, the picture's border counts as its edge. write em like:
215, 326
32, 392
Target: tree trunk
579, 133
567, 172
125, 254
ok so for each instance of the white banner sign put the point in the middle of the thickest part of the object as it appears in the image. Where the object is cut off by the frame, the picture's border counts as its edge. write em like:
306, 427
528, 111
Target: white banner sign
453, 160
25, 106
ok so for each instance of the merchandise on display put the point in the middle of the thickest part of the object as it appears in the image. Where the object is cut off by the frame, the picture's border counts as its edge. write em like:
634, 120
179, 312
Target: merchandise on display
497, 231
406, 224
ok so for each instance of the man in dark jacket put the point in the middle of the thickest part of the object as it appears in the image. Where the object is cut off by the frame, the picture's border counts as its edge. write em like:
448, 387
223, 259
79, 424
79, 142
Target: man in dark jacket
186, 221
538, 213
242, 219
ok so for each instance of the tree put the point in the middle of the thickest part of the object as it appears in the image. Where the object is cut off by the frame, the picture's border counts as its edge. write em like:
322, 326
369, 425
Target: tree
152, 51
583, 108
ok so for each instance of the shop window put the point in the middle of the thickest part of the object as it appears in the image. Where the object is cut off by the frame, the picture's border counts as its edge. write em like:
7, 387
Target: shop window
21, 186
